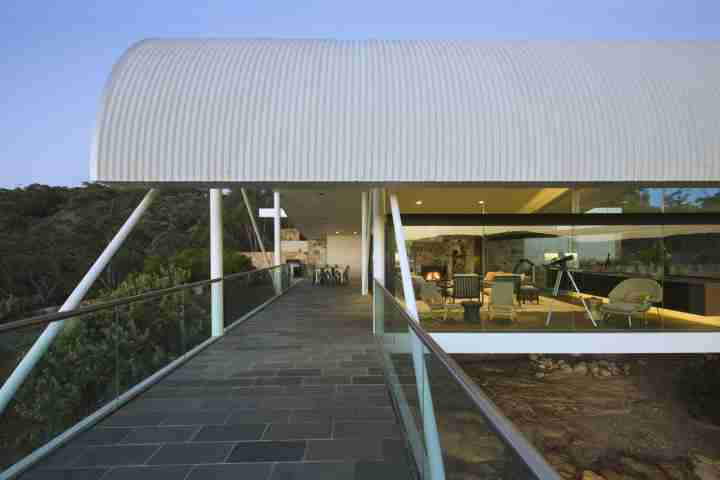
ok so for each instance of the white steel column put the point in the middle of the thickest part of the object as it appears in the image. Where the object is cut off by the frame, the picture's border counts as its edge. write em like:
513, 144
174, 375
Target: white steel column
378, 233
432, 442
276, 228
364, 243
255, 227
44, 341
216, 261
277, 255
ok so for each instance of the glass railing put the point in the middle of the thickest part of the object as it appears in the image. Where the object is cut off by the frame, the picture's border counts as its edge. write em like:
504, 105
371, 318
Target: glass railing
107, 348
453, 429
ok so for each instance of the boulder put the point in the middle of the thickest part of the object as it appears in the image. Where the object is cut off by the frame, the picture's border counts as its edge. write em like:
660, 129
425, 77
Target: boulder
640, 469
705, 468
581, 368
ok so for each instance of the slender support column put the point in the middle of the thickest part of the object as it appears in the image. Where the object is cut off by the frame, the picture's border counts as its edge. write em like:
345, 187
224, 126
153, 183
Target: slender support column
364, 243
216, 261
41, 345
430, 431
255, 227
277, 255
378, 233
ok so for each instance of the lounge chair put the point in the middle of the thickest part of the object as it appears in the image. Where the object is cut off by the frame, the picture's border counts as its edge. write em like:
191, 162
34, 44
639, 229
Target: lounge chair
467, 286
430, 295
502, 301
633, 296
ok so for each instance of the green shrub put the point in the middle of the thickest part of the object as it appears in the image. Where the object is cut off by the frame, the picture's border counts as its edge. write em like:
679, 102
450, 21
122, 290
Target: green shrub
197, 262
698, 385
102, 354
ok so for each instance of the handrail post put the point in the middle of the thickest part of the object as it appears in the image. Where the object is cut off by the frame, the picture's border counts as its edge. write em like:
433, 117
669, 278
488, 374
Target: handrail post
432, 440
42, 344
216, 261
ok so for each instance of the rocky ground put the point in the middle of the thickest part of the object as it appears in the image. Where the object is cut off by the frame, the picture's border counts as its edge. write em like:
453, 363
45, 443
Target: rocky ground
605, 418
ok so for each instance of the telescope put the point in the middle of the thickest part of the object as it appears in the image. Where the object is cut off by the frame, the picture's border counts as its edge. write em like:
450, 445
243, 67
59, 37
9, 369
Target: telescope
561, 262
562, 265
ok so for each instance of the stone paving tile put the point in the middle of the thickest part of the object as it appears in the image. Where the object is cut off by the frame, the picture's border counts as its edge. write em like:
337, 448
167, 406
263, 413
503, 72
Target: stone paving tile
290, 451
160, 434
313, 471
366, 429
255, 373
326, 379
191, 453
313, 390
293, 431
325, 415
229, 433
368, 470
394, 450
115, 455
174, 472
344, 449
102, 436
197, 417
231, 471
278, 381
295, 392
300, 372
375, 413
62, 458
134, 419
259, 416
61, 474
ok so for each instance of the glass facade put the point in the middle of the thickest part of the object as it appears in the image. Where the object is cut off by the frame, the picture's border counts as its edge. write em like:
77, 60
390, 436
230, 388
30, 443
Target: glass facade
655, 275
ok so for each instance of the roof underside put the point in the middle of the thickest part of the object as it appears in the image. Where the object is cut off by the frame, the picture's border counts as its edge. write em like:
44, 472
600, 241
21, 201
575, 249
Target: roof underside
313, 111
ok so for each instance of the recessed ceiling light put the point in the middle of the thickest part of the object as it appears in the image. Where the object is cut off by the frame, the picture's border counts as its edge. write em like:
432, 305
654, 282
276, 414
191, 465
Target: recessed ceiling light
354, 233
481, 202
337, 233
418, 202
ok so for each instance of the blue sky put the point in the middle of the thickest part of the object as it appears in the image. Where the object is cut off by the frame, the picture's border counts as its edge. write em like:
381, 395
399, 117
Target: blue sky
55, 55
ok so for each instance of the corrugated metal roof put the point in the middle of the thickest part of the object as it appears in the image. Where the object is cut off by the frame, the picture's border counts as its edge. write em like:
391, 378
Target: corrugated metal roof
410, 111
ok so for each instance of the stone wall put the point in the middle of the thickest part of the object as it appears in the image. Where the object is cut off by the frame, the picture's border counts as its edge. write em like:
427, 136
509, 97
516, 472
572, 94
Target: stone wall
458, 254
307, 251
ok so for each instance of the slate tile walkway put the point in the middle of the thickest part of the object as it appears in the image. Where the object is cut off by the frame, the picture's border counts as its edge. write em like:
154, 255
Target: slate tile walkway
296, 392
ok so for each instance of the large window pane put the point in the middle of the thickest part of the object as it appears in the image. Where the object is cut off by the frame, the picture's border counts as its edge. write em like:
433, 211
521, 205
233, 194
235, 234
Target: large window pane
619, 199
692, 200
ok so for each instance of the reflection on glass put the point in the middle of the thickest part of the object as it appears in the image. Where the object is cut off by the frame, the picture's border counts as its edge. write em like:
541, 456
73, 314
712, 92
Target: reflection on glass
101, 355
679, 200
469, 445
619, 199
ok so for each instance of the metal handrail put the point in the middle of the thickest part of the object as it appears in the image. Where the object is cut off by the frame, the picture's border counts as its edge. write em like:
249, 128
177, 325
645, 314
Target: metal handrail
56, 316
530, 456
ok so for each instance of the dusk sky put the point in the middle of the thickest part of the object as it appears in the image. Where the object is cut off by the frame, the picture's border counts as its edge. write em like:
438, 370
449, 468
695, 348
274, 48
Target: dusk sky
56, 56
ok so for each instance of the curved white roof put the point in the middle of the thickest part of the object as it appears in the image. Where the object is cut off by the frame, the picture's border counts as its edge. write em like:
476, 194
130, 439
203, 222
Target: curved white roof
274, 111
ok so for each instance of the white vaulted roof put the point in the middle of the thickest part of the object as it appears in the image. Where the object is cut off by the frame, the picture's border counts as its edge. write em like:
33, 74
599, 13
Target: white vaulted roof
311, 111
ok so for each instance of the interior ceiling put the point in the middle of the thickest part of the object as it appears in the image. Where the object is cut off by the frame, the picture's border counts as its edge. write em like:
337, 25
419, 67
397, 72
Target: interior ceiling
326, 210
466, 200
323, 211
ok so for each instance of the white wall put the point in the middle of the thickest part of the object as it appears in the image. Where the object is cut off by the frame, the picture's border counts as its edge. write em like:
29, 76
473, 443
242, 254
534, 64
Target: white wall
582, 342
344, 250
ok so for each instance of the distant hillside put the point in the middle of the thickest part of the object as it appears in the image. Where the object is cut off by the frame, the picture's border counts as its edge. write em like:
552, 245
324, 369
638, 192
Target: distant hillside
49, 236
